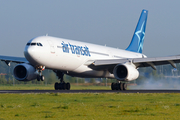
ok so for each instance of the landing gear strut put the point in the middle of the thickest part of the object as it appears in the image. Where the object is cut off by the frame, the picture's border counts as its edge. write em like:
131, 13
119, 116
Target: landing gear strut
118, 86
62, 85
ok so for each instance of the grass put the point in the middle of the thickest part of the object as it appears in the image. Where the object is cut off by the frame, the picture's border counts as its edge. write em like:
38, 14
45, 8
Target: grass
90, 106
99, 106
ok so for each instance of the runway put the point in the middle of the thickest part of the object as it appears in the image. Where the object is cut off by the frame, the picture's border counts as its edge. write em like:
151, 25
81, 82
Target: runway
89, 91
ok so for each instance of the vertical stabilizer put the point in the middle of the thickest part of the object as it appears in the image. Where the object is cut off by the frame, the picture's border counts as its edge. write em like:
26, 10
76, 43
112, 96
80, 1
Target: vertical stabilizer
137, 41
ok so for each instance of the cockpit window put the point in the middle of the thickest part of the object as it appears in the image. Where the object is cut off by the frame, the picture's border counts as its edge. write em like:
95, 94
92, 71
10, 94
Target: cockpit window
40, 44
34, 44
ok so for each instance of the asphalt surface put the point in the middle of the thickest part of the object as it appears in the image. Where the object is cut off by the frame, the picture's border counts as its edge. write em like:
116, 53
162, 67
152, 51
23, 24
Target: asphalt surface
89, 91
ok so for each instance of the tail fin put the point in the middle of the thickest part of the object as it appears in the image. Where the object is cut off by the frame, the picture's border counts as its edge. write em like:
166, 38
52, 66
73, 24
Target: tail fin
136, 44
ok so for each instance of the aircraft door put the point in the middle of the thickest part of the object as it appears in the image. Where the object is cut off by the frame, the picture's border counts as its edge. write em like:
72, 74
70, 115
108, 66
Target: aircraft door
110, 53
52, 48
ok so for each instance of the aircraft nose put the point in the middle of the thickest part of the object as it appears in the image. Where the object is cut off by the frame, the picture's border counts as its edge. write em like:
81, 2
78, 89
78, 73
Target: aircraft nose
30, 54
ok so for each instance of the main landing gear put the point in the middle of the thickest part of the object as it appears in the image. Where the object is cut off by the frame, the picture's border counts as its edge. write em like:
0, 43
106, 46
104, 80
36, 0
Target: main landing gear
62, 85
119, 86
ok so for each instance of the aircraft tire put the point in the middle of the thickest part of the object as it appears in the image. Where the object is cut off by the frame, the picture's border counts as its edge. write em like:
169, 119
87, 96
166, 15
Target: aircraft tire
56, 85
60, 86
38, 78
112, 86
42, 77
63, 86
120, 86
124, 86
68, 86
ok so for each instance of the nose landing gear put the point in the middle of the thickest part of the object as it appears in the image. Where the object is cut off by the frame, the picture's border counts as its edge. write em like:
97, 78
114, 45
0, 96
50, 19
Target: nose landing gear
39, 71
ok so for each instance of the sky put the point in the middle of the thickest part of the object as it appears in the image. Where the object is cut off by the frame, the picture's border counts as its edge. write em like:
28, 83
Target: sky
104, 22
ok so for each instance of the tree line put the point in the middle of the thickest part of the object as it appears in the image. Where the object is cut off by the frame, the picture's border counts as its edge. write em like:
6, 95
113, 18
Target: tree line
51, 78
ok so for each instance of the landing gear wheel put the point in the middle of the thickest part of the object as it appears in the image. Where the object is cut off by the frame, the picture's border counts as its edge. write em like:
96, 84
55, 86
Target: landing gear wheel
112, 86
119, 86
124, 86
56, 86
42, 78
63, 86
38, 78
60, 86
68, 86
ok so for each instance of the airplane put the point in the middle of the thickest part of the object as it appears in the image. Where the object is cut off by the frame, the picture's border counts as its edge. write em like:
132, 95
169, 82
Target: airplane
81, 59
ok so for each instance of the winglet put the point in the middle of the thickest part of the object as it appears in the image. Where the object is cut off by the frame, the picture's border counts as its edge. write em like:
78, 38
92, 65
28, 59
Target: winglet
137, 41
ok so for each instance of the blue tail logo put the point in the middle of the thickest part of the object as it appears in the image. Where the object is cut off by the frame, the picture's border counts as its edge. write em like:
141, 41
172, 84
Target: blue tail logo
137, 41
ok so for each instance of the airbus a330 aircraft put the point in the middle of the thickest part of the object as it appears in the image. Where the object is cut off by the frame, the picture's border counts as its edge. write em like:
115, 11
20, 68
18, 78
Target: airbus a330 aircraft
80, 59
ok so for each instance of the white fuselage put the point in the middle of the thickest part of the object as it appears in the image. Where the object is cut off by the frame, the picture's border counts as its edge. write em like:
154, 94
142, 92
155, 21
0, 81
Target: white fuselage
72, 57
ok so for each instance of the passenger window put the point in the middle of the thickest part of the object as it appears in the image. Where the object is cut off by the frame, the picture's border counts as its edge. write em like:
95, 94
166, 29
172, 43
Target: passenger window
28, 44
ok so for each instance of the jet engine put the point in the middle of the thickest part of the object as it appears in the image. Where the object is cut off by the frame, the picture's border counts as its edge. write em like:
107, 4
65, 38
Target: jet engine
24, 72
125, 72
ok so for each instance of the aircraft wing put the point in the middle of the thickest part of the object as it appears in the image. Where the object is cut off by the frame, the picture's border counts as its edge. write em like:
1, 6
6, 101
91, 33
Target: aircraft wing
146, 62
8, 59
138, 62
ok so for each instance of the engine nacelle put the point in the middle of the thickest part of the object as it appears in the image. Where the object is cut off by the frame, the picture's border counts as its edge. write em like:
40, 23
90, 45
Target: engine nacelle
24, 72
125, 72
